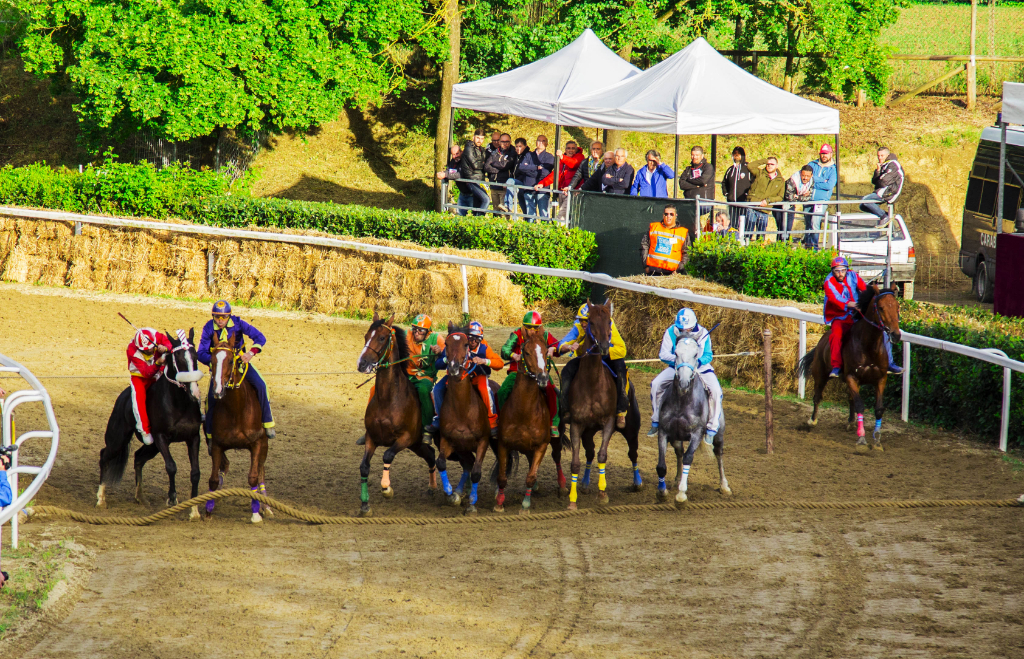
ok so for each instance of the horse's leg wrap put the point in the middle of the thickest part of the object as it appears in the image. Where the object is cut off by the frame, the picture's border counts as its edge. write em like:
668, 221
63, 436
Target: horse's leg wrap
637, 480
385, 477
572, 489
210, 505
500, 498
685, 478
444, 482
255, 507
586, 475
473, 493
462, 482
364, 490
860, 424
526, 499
561, 477
602, 483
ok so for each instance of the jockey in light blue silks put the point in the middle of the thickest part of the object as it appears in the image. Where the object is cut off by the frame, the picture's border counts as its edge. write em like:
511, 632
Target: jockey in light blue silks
686, 325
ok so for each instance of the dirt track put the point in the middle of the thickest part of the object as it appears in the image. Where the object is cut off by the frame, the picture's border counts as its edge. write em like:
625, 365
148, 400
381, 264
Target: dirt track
880, 583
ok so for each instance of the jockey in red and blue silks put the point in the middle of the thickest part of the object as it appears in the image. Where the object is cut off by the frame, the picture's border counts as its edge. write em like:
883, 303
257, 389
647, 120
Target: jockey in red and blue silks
842, 290
226, 325
484, 359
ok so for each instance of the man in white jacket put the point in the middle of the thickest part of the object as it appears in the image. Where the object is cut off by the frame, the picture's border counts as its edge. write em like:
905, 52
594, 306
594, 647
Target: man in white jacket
686, 325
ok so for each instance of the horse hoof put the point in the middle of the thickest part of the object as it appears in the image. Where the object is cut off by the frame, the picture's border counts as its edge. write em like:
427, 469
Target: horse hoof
638, 487
193, 514
267, 511
572, 505
454, 499
585, 489
365, 511
662, 495
388, 493
172, 501
878, 447
525, 510
726, 490
431, 491
256, 519
862, 448
499, 509
470, 511
811, 423
563, 492
681, 497
877, 436
101, 503
602, 498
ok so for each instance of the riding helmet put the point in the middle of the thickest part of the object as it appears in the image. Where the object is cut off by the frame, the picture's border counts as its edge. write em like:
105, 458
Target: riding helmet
686, 320
532, 319
145, 339
839, 262
422, 321
221, 306
476, 329
583, 313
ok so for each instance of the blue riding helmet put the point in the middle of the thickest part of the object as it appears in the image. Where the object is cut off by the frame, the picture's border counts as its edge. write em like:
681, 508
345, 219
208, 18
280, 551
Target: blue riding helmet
221, 306
686, 320
476, 329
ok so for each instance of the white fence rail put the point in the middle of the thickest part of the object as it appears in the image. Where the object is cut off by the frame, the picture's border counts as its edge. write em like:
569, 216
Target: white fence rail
35, 394
684, 295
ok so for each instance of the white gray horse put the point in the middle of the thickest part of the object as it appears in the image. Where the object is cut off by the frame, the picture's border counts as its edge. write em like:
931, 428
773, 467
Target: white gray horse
684, 417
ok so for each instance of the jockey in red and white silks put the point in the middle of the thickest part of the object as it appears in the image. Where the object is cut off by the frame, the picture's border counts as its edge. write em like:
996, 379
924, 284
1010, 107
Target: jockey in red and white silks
145, 359
686, 324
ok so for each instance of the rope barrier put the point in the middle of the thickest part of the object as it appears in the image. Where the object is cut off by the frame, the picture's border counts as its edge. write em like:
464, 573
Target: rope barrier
314, 518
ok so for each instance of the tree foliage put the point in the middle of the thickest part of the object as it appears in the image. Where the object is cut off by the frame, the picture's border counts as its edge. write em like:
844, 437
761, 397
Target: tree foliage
183, 68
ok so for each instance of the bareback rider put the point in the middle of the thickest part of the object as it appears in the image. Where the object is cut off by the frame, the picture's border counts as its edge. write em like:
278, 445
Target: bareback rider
842, 289
513, 351
615, 359
227, 325
484, 359
145, 359
686, 325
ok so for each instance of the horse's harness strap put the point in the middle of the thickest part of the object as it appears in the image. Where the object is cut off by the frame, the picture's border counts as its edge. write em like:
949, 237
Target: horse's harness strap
880, 326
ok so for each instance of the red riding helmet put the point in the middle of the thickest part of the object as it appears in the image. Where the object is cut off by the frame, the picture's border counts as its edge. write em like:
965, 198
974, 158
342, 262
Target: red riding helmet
145, 339
532, 319
839, 262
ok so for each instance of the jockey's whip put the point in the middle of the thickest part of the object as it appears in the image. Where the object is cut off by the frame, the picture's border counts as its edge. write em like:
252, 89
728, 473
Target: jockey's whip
128, 321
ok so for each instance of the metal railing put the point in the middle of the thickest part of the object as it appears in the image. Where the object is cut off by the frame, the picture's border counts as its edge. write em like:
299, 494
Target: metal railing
35, 394
683, 295
554, 201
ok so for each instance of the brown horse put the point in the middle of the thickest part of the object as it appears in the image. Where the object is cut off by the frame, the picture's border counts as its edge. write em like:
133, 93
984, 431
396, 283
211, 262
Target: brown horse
237, 421
524, 422
392, 416
591, 401
463, 415
865, 361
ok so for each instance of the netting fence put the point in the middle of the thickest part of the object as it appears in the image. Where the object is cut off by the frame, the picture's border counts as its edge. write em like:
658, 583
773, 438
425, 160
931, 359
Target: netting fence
229, 153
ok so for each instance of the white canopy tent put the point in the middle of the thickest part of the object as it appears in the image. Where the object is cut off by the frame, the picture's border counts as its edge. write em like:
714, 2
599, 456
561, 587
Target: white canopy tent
1013, 102
534, 91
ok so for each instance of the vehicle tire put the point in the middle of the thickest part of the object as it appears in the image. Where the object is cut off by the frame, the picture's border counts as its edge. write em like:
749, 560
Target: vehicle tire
983, 284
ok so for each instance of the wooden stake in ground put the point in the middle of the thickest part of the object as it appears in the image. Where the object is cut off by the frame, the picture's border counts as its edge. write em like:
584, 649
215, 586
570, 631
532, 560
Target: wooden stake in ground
769, 440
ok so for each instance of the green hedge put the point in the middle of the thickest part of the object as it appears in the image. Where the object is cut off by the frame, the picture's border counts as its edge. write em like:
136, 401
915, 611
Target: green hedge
773, 270
204, 197
957, 392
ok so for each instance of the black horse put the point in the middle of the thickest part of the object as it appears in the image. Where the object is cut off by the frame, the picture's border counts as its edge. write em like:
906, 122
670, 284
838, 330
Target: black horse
174, 415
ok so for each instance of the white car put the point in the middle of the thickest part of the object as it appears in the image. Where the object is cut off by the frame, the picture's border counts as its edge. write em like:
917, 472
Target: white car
865, 250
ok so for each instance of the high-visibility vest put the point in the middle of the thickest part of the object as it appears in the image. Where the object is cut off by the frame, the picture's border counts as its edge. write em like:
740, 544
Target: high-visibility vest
666, 248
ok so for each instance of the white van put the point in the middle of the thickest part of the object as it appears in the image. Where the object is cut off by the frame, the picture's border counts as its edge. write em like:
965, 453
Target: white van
866, 251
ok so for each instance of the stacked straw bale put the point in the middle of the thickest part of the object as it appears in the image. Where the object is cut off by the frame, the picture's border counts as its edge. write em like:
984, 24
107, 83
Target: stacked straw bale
642, 319
322, 279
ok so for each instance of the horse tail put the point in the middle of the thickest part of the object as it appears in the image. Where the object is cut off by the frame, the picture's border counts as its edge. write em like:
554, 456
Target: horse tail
803, 367
511, 467
118, 438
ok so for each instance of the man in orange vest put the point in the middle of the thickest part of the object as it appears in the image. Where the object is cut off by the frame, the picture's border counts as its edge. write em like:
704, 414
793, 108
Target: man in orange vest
664, 246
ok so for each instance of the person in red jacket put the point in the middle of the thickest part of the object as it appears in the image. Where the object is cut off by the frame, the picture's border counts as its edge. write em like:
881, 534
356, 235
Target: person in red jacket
569, 163
145, 359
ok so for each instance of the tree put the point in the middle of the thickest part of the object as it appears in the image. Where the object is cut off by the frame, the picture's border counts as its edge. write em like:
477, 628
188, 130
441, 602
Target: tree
185, 68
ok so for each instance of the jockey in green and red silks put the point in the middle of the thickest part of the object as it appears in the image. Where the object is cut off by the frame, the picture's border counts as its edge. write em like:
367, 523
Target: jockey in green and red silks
227, 325
513, 350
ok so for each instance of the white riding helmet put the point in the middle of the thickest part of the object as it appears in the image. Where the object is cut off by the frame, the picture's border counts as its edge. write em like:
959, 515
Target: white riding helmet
145, 339
686, 320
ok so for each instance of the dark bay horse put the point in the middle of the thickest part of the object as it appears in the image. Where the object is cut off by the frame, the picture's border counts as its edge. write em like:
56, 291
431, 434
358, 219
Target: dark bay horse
172, 403
237, 421
465, 430
524, 422
392, 416
684, 418
591, 401
865, 361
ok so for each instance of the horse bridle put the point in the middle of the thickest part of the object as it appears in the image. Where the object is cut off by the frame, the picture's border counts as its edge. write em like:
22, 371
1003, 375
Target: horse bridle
526, 369
593, 339
184, 345
880, 326
466, 372
235, 370
382, 356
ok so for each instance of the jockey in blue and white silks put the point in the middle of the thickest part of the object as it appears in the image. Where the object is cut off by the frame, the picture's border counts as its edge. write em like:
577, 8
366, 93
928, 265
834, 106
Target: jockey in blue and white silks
686, 324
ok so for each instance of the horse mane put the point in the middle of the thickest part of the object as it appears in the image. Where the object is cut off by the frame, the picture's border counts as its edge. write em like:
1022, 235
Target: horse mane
401, 343
866, 296
460, 330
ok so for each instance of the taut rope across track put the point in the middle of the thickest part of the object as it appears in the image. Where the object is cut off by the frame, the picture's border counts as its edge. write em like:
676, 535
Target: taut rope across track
314, 518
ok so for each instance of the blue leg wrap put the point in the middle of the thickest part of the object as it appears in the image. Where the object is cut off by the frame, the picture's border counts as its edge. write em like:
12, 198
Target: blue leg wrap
444, 482
586, 475
878, 424
462, 482
661, 484
472, 494
637, 480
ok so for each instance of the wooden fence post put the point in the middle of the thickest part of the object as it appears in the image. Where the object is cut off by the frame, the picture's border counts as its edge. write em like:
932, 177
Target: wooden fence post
769, 439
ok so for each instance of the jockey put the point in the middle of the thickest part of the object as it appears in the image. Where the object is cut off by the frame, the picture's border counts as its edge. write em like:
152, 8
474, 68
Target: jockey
423, 344
842, 289
686, 324
145, 359
227, 325
484, 359
513, 349
615, 359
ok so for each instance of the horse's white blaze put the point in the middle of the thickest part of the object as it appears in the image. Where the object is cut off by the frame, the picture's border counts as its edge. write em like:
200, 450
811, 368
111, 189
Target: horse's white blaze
217, 379
540, 357
367, 346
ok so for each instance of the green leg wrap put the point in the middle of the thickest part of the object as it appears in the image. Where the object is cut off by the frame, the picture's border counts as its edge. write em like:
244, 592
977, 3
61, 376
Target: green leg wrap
364, 493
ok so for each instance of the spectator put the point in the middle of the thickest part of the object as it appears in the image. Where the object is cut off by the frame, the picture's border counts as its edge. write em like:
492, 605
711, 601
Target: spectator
736, 183
824, 182
451, 173
799, 187
619, 179
588, 166
534, 166
767, 189
6, 497
498, 166
472, 167
698, 180
517, 194
663, 249
723, 225
569, 164
888, 182
494, 145
652, 180
596, 182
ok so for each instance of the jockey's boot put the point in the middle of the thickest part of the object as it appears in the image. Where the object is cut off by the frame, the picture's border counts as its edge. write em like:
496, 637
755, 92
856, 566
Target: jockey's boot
834, 373
895, 370
147, 439
620, 420
653, 432
361, 441
428, 438
494, 433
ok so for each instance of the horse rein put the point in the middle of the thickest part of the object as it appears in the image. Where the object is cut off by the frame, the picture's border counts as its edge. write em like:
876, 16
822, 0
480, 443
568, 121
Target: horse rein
466, 372
880, 325
593, 339
235, 370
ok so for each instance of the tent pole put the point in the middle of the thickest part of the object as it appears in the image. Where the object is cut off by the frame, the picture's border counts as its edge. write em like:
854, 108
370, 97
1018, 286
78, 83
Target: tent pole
675, 181
714, 152
558, 162
836, 156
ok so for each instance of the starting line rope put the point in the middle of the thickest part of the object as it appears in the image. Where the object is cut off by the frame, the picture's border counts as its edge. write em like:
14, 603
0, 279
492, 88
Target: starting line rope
313, 518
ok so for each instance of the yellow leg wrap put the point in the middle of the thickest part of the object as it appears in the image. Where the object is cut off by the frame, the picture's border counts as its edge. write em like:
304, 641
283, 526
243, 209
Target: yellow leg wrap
602, 483
572, 488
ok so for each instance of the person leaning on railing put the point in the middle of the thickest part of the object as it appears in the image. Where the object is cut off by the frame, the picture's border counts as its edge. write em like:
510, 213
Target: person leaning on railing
768, 189
6, 497
499, 164
464, 199
664, 247
472, 167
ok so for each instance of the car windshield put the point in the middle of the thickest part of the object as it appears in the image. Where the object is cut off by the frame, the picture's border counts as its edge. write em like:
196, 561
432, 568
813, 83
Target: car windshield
868, 236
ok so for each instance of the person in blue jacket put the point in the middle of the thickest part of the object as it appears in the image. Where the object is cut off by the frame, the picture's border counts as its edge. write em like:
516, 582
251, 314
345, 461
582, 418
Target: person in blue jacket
652, 180
226, 324
825, 177
5, 493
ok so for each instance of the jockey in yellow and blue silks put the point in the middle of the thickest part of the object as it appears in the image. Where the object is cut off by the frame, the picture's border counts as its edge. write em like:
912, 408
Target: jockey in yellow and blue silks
484, 360
615, 359
686, 325
226, 325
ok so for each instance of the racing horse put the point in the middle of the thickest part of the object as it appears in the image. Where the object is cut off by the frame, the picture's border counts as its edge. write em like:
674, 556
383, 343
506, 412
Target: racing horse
591, 400
865, 361
464, 430
524, 421
237, 421
684, 417
173, 406
392, 416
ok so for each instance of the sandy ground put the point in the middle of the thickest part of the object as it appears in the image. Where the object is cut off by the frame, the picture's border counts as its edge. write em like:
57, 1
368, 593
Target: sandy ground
745, 583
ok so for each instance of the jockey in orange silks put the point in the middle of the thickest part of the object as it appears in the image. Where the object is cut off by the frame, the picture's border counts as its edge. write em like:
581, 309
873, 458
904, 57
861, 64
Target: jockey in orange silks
484, 359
